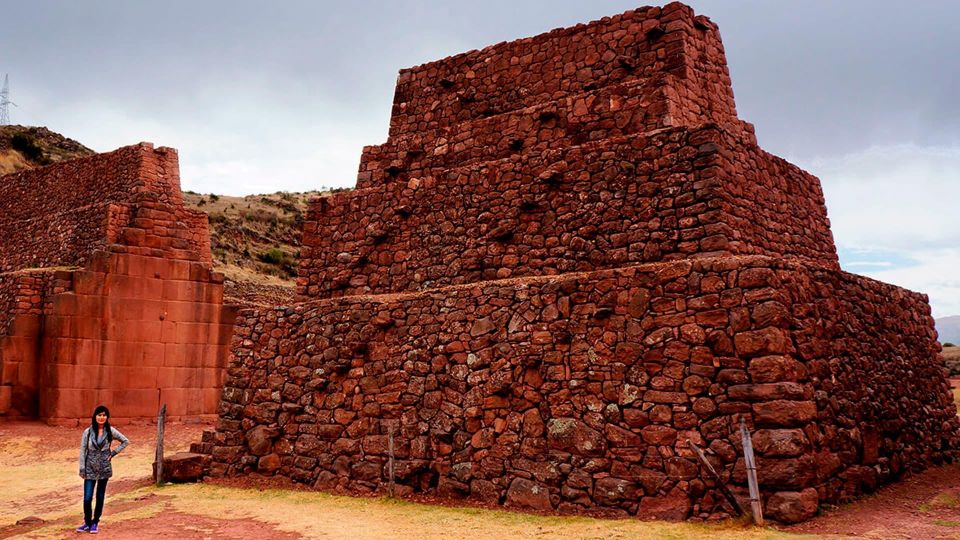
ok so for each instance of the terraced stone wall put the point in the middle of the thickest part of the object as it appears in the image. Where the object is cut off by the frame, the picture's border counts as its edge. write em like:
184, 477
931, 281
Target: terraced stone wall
125, 309
569, 261
578, 393
884, 406
638, 45
677, 193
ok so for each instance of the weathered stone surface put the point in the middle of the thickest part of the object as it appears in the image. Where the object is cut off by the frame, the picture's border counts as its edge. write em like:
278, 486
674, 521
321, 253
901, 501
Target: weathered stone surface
184, 467
793, 506
780, 442
269, 463
260, 439
784, 413
770, 369
610, 491
528, 494
673, 506
574, 436
766, 391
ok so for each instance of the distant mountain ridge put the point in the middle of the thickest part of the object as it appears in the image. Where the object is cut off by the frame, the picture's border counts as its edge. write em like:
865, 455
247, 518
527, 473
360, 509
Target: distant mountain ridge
949, 329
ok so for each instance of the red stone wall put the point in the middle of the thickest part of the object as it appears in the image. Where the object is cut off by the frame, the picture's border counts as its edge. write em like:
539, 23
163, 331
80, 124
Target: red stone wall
642, 70
666, 195
569, 260
135, 332
22, 298
635, 46
623, 109
66, 211
579, 392
141, 322
46, 192
884, 407
771, 206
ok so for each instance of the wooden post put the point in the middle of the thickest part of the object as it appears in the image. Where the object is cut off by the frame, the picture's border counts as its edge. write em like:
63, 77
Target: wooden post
158, 468
751, 465
716, 478
390, 463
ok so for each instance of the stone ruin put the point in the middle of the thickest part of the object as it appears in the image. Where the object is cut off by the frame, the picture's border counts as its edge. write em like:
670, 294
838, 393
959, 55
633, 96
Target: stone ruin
569, 259
107, 293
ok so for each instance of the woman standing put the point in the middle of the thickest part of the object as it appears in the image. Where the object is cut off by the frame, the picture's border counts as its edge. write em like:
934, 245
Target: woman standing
95, 469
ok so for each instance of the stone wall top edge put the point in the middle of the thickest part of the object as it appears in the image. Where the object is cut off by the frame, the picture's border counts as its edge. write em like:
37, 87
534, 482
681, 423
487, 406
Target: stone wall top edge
696, 264
889, 288
41, 270
143, 147
705, 263
735, 138
643, 12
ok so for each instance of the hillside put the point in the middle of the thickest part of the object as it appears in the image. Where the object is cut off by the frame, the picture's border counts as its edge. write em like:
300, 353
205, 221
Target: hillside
25, 147
256, 237
949, 329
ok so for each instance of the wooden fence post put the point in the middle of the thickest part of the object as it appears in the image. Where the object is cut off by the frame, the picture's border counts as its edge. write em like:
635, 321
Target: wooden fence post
390, 464
751, 465
158, 466
716, 478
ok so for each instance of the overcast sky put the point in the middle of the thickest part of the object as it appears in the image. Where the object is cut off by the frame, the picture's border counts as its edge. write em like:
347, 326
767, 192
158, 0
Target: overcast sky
261, 97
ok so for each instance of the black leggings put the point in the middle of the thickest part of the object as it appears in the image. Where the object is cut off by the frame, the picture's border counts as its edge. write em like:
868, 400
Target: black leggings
88, 499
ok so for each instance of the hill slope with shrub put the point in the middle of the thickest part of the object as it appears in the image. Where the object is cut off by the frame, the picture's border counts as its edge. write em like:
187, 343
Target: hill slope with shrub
27, 147
255, 237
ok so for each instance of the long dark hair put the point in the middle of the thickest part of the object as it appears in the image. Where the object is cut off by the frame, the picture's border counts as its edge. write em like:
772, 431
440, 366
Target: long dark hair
106, 425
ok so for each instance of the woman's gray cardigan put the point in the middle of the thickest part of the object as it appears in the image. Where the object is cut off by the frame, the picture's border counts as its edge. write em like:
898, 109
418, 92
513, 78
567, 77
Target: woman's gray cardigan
95, 458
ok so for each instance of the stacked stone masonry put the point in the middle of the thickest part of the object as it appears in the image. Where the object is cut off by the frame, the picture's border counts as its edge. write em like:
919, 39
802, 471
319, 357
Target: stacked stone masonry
107, 292
569, 260
672, 194
577, 393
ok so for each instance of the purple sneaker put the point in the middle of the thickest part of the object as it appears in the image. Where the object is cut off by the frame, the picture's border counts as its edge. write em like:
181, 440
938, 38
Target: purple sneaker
83, 528
93, 529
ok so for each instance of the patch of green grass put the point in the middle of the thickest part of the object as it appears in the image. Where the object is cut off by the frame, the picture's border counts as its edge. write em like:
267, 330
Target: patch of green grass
942, 500
944, 523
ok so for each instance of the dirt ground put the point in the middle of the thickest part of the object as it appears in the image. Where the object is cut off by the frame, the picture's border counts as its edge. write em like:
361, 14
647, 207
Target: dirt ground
40, 488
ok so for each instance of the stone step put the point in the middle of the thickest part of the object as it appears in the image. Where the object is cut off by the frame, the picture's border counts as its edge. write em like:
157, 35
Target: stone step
509, 76
622, 109
608, 203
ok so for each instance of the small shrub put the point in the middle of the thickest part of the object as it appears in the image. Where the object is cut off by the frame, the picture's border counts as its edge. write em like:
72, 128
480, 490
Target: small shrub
272, 256
214, 197
27, 145
949, 344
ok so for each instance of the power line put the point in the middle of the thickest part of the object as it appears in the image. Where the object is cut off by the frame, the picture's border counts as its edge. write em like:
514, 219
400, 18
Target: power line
5, 102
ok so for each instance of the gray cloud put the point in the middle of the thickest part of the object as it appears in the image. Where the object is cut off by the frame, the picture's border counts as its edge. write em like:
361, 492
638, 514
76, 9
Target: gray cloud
282, 96
815, 77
